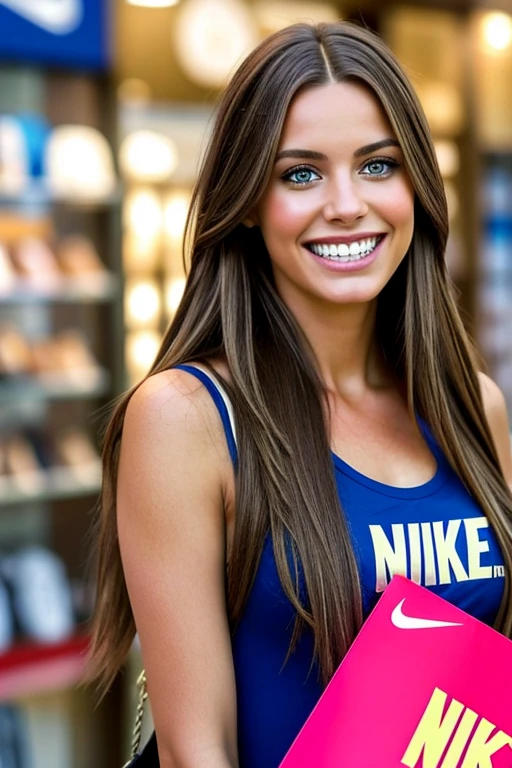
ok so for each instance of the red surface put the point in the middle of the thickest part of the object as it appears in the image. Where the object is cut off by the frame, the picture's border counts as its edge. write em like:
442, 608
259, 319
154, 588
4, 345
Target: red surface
31, 668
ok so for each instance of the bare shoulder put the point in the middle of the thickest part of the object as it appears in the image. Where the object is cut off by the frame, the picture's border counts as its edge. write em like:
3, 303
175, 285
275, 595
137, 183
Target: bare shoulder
173, 408
495, 407
494, 402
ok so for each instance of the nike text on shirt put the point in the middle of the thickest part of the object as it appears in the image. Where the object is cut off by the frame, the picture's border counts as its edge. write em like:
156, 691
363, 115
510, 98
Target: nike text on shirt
433, 553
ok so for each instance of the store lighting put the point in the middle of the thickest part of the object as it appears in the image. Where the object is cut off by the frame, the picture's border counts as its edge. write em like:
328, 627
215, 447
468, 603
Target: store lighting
143, 214
78, 162
497, 30
153, 3
140, 254
443, 106
143, 303
148, 156
174, 293
452, 200
448, 157
175, 215
141, 349
273, 15
211, 38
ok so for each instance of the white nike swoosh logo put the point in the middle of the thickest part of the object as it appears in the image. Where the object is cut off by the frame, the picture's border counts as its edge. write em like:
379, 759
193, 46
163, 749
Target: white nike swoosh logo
402, 621
60, 17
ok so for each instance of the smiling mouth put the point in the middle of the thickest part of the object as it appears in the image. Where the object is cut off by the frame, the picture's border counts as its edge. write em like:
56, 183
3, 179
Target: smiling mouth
354, 251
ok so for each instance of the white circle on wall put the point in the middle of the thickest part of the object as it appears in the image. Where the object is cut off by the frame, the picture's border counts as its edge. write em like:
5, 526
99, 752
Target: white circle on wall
148, 156
79, 162
212, 37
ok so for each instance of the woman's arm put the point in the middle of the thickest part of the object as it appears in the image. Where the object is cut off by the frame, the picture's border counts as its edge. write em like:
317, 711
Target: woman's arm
174, 473
497, 417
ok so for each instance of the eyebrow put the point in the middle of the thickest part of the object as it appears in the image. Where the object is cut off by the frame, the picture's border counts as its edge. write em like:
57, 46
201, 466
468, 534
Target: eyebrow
369, 148
310, 154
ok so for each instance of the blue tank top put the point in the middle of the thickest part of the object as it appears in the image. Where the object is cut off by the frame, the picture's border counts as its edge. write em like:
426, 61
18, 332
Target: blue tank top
435, 534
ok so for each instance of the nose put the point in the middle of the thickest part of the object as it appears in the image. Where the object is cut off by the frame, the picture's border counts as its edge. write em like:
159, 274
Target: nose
344, 201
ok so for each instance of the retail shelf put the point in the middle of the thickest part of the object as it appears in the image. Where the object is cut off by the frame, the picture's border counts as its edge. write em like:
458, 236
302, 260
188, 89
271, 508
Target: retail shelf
51, 485
55, 386
86, 290
41, 194
32, 669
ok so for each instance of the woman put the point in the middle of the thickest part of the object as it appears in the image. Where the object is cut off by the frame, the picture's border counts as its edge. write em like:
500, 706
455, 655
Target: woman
362, 441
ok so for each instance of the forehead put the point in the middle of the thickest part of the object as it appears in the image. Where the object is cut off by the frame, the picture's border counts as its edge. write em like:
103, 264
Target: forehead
346, 114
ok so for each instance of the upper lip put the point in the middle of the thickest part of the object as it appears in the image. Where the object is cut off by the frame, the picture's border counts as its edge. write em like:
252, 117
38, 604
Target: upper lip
339, 239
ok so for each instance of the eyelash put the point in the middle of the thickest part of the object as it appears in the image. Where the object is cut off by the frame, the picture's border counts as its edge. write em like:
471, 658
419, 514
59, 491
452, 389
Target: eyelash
389, 161
296, 169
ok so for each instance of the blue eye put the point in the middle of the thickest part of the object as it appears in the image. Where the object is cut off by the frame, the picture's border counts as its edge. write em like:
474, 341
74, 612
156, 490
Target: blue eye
380, 167
300, 176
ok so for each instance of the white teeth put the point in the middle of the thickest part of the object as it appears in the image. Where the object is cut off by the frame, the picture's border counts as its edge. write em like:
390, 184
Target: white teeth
344, 251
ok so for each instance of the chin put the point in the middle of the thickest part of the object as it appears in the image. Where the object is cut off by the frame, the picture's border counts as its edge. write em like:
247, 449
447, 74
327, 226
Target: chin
355, 296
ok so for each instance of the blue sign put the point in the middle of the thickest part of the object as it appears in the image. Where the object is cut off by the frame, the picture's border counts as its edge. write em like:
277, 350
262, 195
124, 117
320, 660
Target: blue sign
69, 33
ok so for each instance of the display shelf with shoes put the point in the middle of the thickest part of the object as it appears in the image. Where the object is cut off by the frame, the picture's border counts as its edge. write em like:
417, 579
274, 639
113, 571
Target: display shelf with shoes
56, 485
38, 466
56, 367
61, 363
70, 271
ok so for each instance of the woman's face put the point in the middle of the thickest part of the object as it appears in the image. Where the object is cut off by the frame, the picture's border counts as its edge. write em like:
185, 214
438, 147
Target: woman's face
338, 214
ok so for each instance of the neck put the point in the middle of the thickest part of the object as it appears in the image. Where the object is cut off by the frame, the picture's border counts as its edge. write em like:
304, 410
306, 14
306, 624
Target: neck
343, 340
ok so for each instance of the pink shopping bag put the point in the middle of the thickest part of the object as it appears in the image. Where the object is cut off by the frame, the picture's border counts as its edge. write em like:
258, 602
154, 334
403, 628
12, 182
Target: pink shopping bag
424, 686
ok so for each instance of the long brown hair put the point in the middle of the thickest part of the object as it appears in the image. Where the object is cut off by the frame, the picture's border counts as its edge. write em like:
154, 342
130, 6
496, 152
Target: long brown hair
284, 482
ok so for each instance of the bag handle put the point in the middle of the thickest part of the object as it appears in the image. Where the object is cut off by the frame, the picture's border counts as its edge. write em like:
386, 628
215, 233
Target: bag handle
137, 728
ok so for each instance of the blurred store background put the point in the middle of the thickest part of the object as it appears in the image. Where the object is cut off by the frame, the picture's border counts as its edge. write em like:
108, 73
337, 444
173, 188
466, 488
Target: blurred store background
104, 109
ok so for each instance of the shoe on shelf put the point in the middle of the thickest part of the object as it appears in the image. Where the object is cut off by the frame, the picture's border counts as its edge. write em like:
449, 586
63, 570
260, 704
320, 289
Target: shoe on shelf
15, 352
41, 594
22, 465
66, 358
46, 356
75, 451
37, 264
76, 361
8, 275
78, 257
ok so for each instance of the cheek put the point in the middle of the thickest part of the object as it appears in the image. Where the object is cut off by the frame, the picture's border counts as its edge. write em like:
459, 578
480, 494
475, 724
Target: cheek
283, 216
398, 210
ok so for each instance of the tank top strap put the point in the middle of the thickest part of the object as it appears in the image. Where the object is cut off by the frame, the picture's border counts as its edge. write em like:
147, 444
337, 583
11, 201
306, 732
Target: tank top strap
221, 400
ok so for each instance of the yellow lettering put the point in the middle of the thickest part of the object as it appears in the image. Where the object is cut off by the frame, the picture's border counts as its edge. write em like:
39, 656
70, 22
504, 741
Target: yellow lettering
480, 749
460, 739
476, 547
434, 732
388, 558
